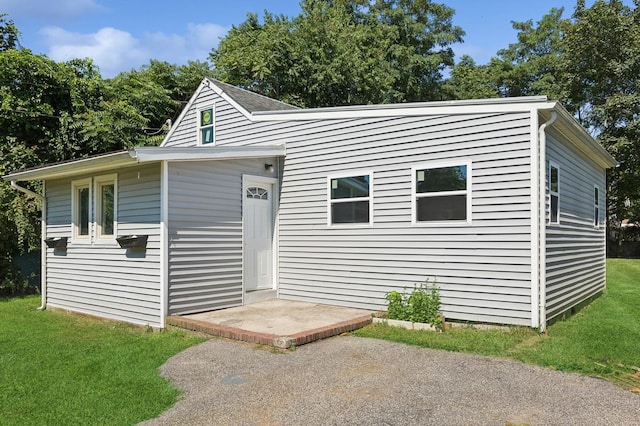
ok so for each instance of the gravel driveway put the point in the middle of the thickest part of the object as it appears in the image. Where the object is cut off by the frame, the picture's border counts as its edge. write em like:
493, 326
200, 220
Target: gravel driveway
356, 381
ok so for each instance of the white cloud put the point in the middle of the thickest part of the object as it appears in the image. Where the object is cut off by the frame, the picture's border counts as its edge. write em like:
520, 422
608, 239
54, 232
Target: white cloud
51, 11
195, 44
111, 49
115, 50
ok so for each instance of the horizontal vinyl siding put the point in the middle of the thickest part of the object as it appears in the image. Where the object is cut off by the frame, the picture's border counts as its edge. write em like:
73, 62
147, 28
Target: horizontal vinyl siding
575, 250
229, 124
205, 233
104, 279
483, 269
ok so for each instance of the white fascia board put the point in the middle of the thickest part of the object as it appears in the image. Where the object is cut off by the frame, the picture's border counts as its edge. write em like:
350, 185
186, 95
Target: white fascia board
146, 154
479, 106
75, 167
579, 136
187, 107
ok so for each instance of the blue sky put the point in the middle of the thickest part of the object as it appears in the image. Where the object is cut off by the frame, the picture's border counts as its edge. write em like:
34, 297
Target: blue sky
120, 35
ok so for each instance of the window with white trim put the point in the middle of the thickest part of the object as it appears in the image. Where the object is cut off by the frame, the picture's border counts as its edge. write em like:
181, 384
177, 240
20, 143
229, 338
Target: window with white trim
442, 193
206, 125
81, 208
350, 199
554, 193
105, 190
93, 208
596, 206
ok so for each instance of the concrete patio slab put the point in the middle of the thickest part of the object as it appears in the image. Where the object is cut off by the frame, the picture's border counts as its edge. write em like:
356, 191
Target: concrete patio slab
279, 323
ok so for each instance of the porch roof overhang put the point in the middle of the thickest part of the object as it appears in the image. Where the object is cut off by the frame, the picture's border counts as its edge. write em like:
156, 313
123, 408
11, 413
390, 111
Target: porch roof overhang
129, 158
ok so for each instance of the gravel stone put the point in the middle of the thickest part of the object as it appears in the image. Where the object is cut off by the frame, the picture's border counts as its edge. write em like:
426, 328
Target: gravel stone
348, 380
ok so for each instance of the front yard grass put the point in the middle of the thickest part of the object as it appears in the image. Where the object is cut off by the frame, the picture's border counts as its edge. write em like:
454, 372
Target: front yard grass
602, 339
59, 368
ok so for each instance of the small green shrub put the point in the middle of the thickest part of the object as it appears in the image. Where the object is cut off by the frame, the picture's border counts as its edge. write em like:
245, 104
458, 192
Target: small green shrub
422, 305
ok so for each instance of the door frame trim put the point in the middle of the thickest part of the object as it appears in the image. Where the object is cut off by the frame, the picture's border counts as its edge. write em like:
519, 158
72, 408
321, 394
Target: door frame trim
246, 179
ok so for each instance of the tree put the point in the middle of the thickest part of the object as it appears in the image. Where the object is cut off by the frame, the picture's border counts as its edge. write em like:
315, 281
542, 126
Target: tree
531, 66
602, 65
9, 34
471, 81
342, 52
55, 111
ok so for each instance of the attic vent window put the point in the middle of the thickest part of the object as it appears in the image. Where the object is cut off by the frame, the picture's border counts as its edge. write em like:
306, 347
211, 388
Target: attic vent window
206, 126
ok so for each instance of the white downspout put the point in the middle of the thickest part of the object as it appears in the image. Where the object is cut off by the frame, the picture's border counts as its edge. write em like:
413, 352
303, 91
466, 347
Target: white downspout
43, 247
542, 169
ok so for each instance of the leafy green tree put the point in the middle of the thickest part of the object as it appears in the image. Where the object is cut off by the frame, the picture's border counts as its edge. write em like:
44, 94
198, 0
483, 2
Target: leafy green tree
602, 65
55, 111
471, 81
9, 34
531, 66
343, 52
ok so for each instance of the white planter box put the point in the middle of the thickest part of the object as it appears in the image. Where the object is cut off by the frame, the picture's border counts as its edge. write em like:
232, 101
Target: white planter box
405, 324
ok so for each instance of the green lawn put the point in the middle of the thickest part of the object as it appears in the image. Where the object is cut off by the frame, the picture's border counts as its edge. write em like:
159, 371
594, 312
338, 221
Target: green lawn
602, 339
59, 368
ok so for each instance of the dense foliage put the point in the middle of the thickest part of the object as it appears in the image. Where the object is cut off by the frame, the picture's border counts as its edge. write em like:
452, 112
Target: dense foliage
335, 52
55, 111
343, 52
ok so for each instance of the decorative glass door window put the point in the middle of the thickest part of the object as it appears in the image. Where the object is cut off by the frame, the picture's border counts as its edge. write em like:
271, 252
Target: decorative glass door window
206, 130
257, 193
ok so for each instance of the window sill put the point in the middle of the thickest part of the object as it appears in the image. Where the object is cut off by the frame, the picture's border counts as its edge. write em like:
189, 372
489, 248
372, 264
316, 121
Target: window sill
349, 225
439, 224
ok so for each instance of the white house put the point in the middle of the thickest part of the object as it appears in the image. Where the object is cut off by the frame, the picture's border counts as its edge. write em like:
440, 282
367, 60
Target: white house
500, 201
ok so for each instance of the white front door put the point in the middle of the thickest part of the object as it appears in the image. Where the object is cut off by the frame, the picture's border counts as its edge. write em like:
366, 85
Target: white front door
258, 210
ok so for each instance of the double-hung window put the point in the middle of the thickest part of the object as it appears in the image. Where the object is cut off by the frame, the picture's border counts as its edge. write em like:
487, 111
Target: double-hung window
554, 193
206, 126
94, 207
442, 193
350, 199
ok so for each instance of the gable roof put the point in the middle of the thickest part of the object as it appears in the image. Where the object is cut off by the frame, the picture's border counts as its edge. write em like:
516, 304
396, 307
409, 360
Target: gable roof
250, 101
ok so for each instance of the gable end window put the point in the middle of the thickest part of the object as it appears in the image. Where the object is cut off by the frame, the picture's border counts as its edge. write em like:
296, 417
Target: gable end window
350, 199
554, 193
206, 126
442, 193
94, 207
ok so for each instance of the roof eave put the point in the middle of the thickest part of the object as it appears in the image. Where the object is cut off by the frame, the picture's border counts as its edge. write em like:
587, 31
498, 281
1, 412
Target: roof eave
143, 155
581, 139
149, 154
72, 168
